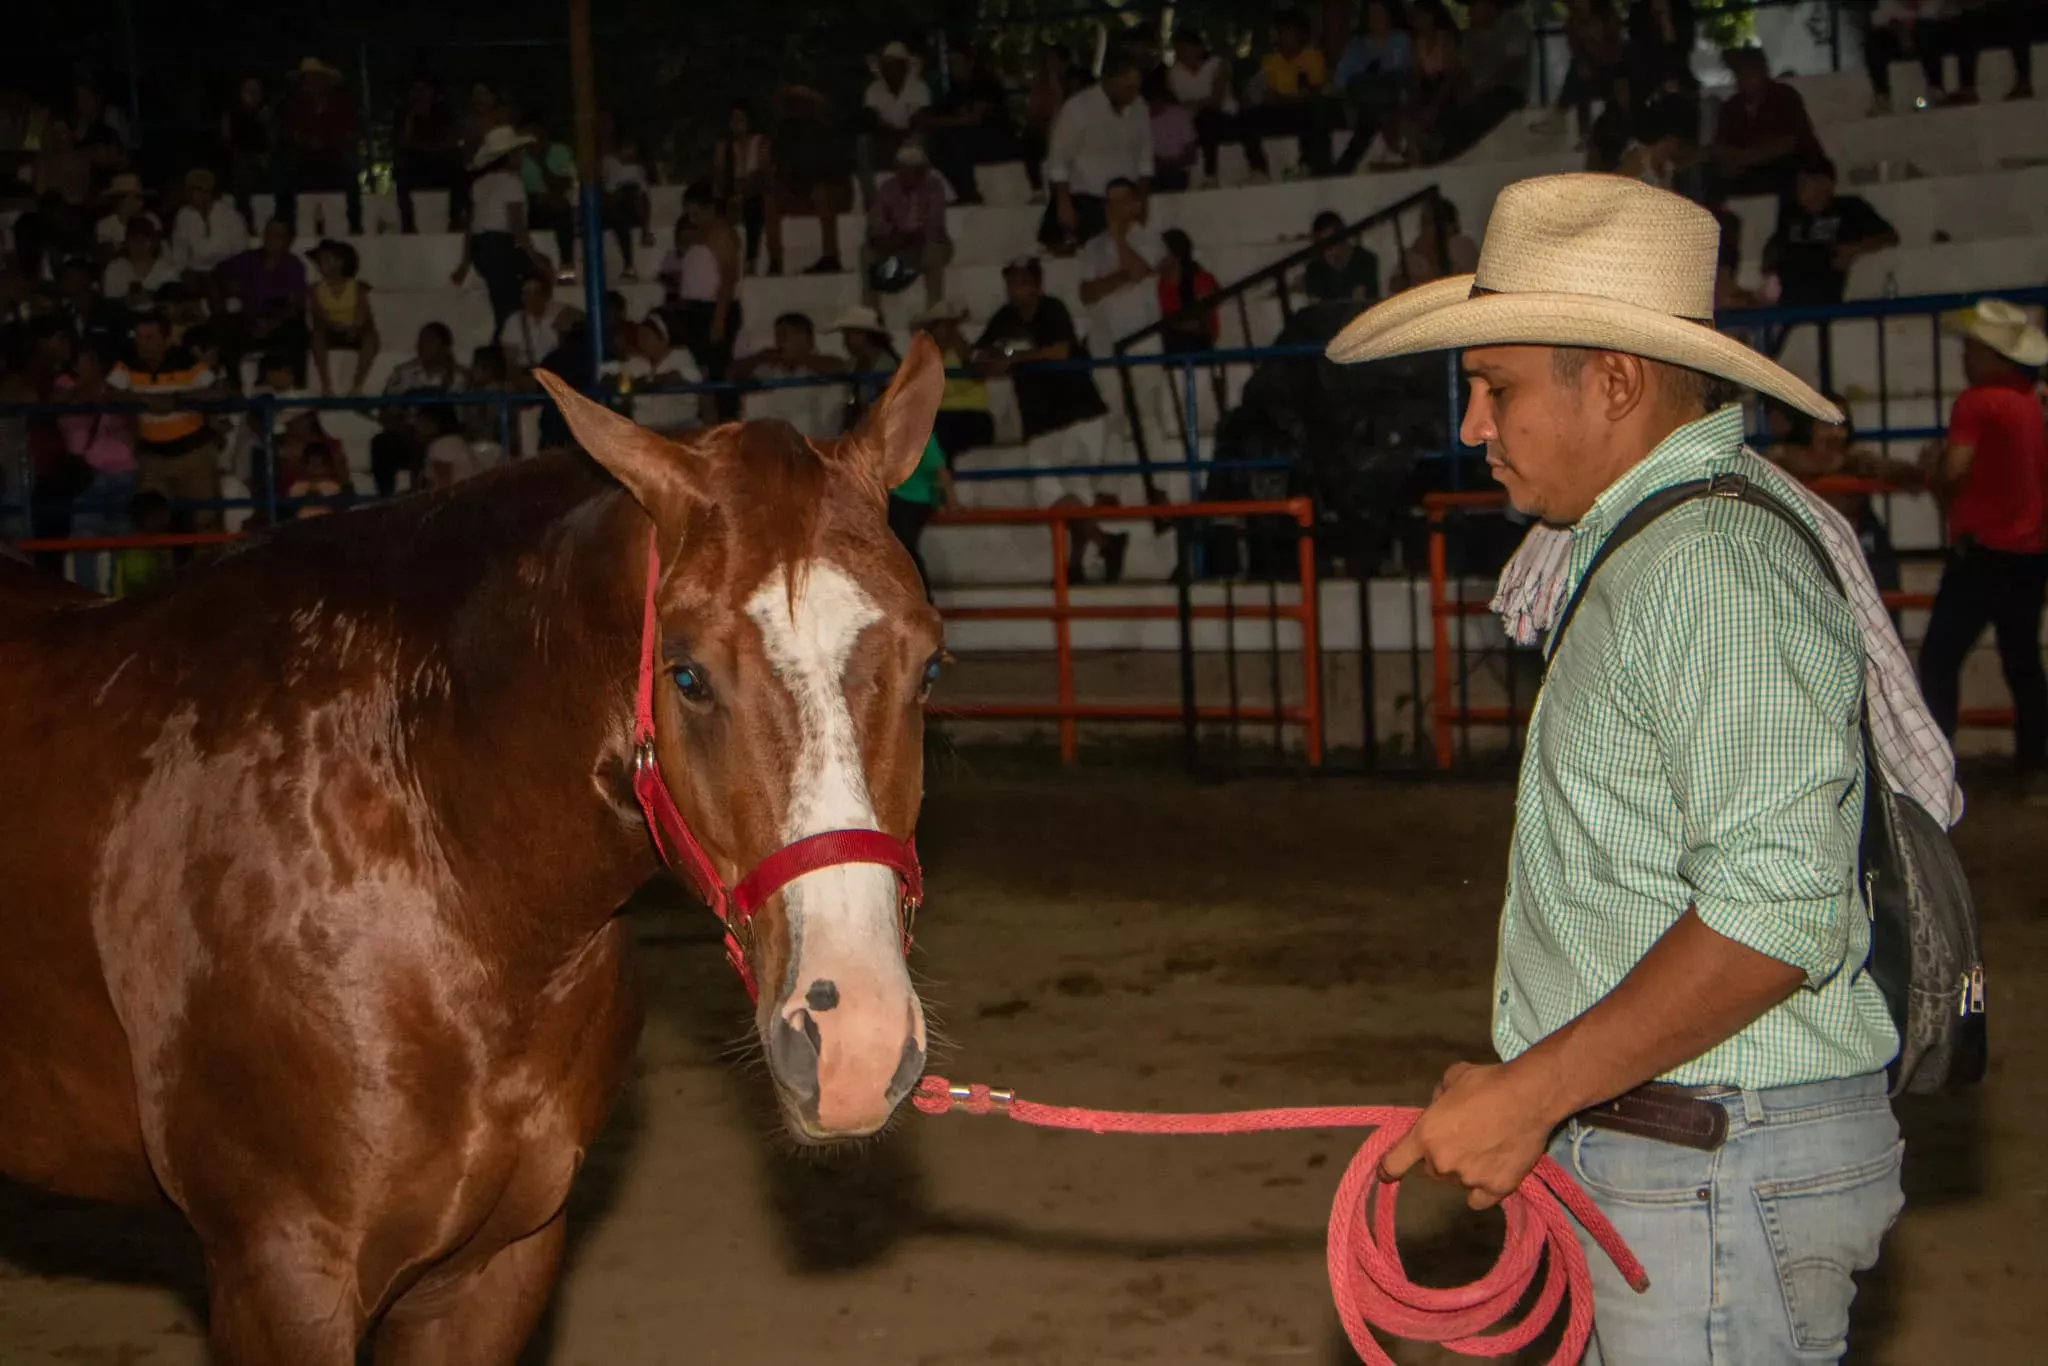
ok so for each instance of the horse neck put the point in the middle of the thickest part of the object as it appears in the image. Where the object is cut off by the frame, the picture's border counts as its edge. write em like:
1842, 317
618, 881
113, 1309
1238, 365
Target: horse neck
530, 763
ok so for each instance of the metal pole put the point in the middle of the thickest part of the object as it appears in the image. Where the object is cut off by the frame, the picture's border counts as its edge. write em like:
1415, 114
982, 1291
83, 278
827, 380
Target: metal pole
134, 46
583, 73
266, 426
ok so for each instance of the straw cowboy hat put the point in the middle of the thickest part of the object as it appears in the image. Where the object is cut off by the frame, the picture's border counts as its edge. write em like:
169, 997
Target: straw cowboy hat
501, 140
2005, 328
1598, 261
858, 320
313, 66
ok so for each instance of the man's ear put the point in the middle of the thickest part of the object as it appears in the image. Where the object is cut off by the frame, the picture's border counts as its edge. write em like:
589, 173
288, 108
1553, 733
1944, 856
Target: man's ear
892, 437
659, 473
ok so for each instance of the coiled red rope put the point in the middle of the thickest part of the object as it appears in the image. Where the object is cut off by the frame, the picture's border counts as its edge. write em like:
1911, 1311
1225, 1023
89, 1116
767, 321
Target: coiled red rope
1367, 1280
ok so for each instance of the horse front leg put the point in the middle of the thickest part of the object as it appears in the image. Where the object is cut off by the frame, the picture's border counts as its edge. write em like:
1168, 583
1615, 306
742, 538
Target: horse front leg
478, 1318
287, 1299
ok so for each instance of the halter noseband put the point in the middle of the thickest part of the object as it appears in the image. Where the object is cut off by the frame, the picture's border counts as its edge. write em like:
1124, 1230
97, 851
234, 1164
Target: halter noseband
679, 850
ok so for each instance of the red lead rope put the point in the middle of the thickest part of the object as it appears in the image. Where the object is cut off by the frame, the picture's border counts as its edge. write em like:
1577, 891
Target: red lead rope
1367, 1279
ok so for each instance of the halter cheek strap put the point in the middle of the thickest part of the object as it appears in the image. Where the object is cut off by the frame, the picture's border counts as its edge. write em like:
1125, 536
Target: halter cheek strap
680, 850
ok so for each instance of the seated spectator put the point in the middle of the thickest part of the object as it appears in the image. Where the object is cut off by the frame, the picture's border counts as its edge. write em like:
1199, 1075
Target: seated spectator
627, 211
1103, 133
319, 145
105, 442
1427, 126
184, 312
1496, 57
248, 141
1661, 37
1664, 151
547, 172
450, 455
495, 426
302, 441
811, 175
1372, 75
907, 230
1295, 77
1599, 53
88, 314
1441, 248
743, 178
500, 241
431, 370
321, 484
207, 231
1118, 270
653, 376
1343, 269
426, 150
267, 289
964, 422
1066, 427
893, 105
1200, 83
871, 360
141, 269
1763, 133
1810, 449
177, 452
969, 125
338, 314
125, 201
1175, 143
1820, 235
1183, 283
537, 328
253, 457
814, 410
139, 567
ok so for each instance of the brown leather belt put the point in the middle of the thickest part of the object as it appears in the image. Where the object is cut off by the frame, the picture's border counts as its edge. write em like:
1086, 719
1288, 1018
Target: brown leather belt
1689, 1116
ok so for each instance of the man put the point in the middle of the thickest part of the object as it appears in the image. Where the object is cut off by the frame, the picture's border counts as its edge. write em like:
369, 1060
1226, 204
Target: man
319, 152
1682, 1003
1820, 235
1496, 58
207, 231
537, 328
1119, 270
1764, 131
969, 125
548, 173
1066, 423
1296, 77
1102, 132
894, 104
267, 289
177, 452
816, 410
907, 225
1343, 269
432, 370
1992, 472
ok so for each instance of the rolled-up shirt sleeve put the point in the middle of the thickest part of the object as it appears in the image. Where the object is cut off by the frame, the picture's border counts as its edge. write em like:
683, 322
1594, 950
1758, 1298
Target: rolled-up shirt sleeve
1063, 143
1749, 667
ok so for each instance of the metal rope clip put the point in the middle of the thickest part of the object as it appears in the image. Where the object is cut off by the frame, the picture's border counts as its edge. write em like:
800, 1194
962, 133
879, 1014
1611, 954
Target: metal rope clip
963, 1098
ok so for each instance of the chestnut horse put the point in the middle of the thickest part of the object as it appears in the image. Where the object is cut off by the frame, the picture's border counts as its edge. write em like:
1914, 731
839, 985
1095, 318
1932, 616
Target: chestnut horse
312, 859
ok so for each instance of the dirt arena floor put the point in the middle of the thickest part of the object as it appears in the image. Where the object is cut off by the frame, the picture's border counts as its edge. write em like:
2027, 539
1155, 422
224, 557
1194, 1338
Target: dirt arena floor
1129, 939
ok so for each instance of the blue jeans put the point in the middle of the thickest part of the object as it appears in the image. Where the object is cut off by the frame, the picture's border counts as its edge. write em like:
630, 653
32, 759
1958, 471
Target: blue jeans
1750, 1249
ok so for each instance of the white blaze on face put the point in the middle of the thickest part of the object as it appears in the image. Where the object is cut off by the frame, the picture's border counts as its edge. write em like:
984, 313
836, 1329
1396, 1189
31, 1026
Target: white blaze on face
848, 911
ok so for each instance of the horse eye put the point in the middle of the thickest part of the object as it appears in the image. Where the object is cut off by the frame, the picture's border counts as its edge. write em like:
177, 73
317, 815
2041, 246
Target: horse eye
691, 683
932, 670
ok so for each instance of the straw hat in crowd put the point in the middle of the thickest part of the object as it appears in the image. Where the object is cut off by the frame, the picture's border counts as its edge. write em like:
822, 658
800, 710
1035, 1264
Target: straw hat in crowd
2005, 328
499, 142
1597, 261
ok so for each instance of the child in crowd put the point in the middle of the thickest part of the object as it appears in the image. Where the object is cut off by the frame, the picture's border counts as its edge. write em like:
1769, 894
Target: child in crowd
319, 478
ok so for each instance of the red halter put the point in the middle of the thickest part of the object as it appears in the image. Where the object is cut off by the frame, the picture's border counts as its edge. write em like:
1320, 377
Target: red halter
735, 906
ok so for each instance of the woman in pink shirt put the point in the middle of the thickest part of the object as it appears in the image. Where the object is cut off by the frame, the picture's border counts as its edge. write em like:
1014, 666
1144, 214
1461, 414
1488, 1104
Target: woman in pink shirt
106, 442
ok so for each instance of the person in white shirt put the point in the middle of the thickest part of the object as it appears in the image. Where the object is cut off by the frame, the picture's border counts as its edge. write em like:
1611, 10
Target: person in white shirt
1119, 270
141, 269
626, 206
536, 329
1199, 80
207, 230
888, 112
655, 366
125, 202
500, 241
1102, 133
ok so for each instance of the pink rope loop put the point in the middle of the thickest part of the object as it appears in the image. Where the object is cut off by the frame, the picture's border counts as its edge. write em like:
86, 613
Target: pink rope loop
1370, 1286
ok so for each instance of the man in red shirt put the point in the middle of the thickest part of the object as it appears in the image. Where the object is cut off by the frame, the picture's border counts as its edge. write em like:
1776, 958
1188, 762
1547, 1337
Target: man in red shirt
1763, 132
1992, 473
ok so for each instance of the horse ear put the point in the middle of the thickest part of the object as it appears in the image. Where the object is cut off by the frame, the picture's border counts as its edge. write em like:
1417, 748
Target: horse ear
892, 437
655, 470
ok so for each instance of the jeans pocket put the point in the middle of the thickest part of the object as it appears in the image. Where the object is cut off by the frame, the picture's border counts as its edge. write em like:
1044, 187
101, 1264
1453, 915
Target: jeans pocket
1823, 1229
1639, 1171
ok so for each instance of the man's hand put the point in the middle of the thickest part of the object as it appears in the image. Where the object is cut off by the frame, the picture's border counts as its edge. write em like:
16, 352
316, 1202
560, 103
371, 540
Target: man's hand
1486, 1129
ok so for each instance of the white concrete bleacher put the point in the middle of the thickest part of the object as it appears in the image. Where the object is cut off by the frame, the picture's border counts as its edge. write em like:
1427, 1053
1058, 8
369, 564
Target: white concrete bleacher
1964, 186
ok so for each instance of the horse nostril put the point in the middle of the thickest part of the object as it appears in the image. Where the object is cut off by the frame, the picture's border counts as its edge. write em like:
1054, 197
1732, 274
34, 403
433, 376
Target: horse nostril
823, 995
907, 1071
793, 1051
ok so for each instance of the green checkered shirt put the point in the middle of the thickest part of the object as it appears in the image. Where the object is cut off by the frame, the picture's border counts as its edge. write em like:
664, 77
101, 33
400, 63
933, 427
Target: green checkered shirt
1696, 744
